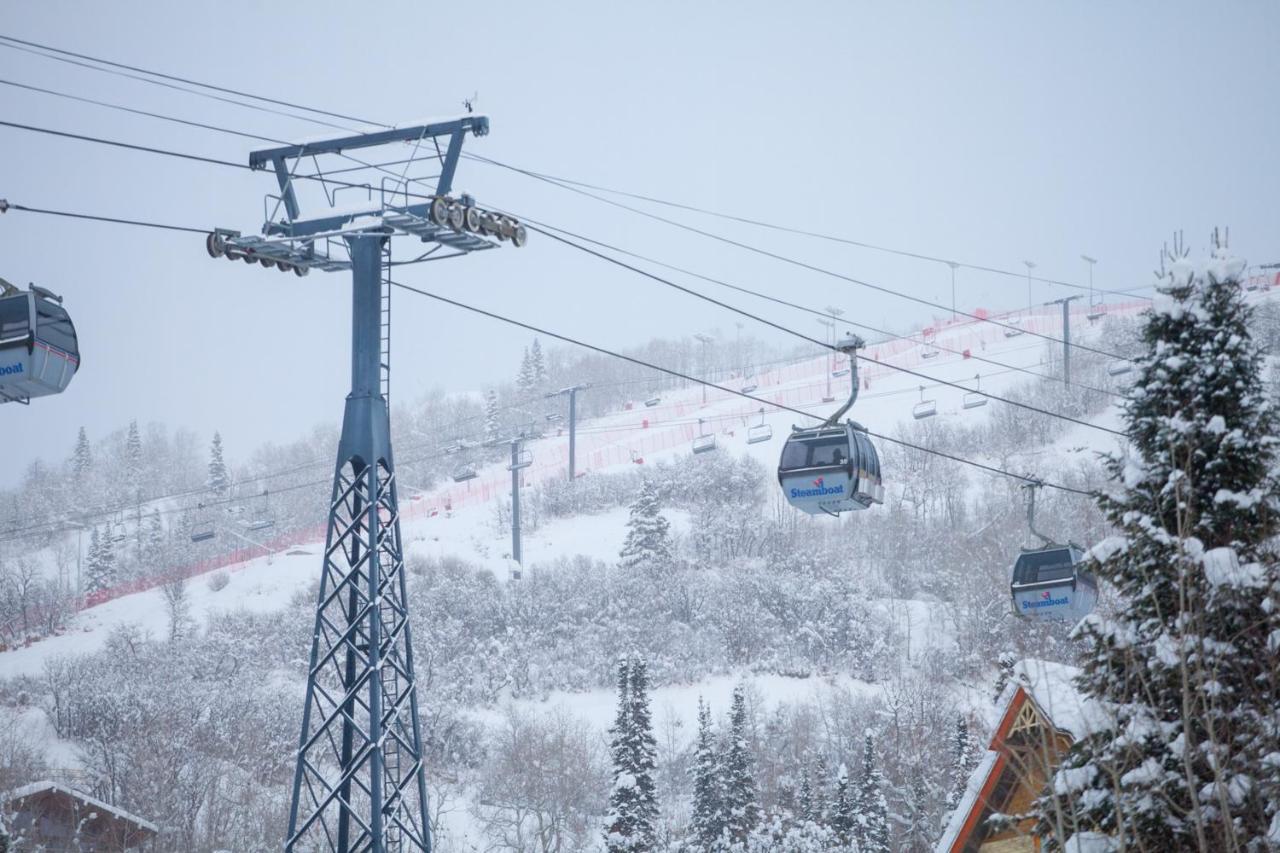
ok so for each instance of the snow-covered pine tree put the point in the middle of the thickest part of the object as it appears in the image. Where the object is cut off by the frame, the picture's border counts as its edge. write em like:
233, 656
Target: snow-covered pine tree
153, 543
706, 822
843, 808
538, 364
648, 543
807, 807
1185, 666
492, 429
621, 822
822, 804
525, 379
961, 761
219, 479
82, 456
643, 747
872, 830
100, 566
741, 810
633, 803
133, 457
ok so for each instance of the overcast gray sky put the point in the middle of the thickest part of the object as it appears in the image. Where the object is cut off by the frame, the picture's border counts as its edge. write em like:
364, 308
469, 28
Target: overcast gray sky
987, 132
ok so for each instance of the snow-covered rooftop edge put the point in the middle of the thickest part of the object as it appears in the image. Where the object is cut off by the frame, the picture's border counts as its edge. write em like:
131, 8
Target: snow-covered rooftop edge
40, 787
1052, 688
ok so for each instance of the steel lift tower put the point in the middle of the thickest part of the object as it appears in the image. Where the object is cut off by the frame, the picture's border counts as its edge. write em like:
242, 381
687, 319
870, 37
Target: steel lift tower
359, 782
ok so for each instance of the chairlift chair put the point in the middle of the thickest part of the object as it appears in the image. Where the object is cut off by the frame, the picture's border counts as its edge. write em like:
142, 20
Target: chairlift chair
925, 408
652, 401
974, 399
837, 374
1097, 310
523, 460
464, 473
202, 528
264, 519
748, 388
761, 432
39, 350
1012, 328
1050, 582
834, 467
704, 442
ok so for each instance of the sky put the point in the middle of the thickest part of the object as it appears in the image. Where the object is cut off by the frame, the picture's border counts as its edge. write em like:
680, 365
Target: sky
990, 133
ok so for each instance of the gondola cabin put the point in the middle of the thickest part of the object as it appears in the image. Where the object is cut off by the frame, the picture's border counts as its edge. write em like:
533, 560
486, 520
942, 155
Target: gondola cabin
39, 352
1052, 584
830, 469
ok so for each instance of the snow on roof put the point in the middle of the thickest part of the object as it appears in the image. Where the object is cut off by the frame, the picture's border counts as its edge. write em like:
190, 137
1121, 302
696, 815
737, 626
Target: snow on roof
1052, 687
973, 788
53, 787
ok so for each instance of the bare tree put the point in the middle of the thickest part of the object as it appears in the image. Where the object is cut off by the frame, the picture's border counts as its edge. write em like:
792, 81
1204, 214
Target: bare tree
178, 603
543, 787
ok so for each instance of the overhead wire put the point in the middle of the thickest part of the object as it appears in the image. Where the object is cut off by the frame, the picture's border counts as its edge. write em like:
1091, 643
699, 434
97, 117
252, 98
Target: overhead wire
215, 161
727, 306
327, 175
809, 338
800, 231
699, 381
815, 268
888, 336
690, 378
574, 186
382, 166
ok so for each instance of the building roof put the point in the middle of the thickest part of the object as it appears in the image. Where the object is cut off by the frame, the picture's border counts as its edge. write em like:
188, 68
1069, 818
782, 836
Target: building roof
54, 788
1051, 688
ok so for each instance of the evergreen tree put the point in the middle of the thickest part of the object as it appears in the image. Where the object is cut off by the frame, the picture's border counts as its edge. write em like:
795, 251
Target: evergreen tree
525, 379
100, 565
741, 810
843, 814
644, 756
492, 429
822, 804
808, 811
219, 479
133, 456
1185, 667
537, 364
872, 831
706, 821
633, 802
648, 543
961, 761
153, 543
82, 457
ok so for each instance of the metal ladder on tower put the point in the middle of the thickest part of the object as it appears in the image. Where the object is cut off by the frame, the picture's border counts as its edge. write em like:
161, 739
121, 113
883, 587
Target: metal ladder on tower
392, 770
385, 332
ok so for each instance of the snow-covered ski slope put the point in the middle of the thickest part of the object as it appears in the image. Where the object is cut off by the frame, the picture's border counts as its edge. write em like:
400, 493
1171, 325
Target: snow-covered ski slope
459, 519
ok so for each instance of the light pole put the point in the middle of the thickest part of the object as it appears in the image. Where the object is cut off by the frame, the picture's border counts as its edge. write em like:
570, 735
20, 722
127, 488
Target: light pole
954, 314
827, 338
1066, 336
1090, 261
705, 340
572, 392
1030, 266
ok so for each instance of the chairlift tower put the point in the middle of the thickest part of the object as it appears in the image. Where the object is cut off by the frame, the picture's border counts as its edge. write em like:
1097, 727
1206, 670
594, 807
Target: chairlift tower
359, 782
